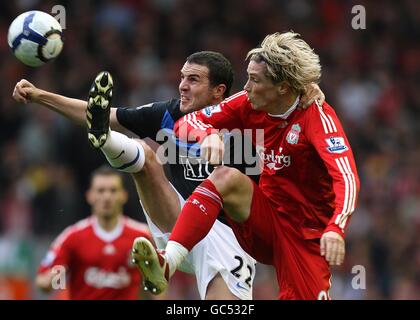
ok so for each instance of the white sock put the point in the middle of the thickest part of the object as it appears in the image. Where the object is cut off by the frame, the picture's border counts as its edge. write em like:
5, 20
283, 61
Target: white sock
123, 153
175, 253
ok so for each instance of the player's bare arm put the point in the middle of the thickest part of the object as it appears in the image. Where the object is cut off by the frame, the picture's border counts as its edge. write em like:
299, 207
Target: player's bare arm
73, 109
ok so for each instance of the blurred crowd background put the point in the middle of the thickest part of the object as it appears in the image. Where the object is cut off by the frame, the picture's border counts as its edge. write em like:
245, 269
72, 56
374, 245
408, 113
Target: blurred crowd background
371, 77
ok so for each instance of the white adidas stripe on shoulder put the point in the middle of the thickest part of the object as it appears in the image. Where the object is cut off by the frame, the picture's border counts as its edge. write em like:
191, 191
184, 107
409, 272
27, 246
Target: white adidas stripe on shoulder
332, 123
327, 121
191, 123
197, 124
240, 93
80, 225
194, 117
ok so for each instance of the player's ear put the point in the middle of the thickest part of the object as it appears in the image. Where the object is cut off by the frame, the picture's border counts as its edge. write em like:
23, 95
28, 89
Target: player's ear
219, 91
282, 88
124, 196
89, 198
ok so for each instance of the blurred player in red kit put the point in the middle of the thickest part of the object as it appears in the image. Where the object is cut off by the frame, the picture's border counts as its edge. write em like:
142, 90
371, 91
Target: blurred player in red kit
296, 217
95, 252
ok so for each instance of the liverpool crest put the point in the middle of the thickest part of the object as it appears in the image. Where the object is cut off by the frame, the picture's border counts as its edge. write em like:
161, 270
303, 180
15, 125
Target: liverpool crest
293, 135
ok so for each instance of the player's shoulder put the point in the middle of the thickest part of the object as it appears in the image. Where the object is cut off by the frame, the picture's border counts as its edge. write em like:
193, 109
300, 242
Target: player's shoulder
171, 105
237, 99
327, 108
322, 116
169, 111
318, 110
136, 226
73, 231
82, 225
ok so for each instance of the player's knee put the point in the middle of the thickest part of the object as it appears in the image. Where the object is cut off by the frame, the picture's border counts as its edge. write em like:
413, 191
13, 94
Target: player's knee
226, 179
149, 154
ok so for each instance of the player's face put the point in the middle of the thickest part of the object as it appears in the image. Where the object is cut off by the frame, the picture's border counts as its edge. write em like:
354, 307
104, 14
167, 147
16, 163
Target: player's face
106, 195
195, 89
262, 92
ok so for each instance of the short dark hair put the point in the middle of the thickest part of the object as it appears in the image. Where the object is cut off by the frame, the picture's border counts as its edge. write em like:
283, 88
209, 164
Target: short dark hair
106, 171
220, 68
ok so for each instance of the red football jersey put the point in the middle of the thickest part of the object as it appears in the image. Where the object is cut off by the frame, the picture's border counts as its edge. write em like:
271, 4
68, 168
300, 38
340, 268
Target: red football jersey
309, 171
98, 262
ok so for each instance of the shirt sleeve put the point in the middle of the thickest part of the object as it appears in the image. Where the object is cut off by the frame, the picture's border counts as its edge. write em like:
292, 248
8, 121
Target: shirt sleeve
59, 253
145, 121
326, 134
226, 115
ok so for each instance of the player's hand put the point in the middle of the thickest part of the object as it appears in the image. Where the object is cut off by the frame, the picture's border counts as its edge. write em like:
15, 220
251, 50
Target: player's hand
213, 149
44, 280
333, 248
25, 91
312, 92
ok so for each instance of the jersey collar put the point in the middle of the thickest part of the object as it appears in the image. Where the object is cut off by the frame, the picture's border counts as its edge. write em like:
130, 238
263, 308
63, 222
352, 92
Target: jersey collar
288, 112
104, 235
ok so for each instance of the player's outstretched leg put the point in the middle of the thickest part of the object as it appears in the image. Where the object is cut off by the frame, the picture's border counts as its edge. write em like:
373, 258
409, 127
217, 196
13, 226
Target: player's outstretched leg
133, 156
122, 153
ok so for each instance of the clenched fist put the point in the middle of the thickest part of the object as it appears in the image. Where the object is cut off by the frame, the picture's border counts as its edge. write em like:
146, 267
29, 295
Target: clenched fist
213, 149
25, 92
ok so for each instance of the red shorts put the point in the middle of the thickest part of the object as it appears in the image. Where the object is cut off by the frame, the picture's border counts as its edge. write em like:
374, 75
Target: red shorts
269, 237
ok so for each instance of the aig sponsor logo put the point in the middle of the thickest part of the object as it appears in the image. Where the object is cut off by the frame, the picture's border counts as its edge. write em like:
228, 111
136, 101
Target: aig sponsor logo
195, 169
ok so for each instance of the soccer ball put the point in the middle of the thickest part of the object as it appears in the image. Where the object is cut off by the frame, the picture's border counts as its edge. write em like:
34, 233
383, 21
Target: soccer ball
35, 38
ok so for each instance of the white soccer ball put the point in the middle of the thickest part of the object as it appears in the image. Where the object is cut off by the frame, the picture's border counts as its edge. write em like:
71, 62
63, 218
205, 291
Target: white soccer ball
35, 37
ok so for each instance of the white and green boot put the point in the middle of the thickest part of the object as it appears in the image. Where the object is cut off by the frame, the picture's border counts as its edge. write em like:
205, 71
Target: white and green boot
98, 109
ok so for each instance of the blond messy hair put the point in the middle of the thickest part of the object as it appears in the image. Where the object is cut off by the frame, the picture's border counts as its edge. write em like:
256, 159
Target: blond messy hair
288, 58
